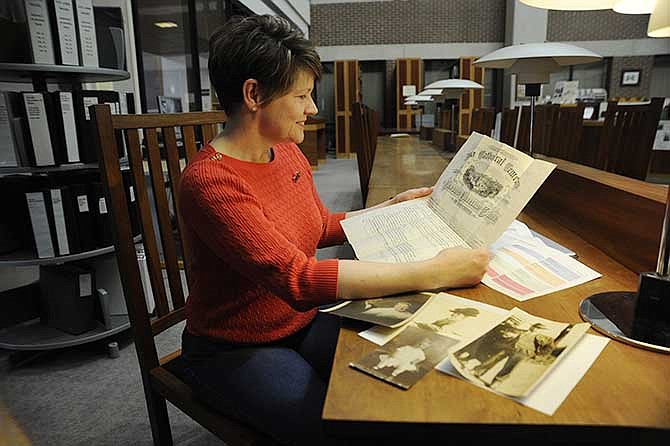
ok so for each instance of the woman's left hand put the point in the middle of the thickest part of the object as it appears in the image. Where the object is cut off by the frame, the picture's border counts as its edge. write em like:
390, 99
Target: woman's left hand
411, 194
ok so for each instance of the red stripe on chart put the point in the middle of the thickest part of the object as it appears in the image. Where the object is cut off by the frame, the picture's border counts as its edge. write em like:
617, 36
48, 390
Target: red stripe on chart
512, 285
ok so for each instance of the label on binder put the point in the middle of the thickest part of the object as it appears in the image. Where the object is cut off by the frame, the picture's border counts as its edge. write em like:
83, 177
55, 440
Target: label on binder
89, 44
67, 34
59, 222
102, 205
85, 281
69, 126
37, 13
88, 101
82, 202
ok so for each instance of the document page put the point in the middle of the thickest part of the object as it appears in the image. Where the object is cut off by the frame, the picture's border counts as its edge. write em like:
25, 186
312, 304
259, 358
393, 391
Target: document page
485, 187
406, 232
476, 198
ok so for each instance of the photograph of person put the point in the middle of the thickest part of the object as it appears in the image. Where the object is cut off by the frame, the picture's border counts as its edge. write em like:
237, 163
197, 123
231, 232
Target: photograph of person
407, 358
388, 311
513, 356
253, 220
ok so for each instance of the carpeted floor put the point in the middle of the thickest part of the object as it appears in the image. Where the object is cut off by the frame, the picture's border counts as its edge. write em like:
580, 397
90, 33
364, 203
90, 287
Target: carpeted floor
80, 397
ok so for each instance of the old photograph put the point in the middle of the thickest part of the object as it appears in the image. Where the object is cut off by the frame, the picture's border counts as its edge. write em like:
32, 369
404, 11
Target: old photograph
388, 311
513, 356
447, 315
407, 358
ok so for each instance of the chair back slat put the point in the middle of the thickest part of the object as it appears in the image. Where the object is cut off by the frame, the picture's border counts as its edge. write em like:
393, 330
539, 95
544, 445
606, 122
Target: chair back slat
207, 134
174, 174
483, 121
627, 138
359, 143
146, 222
509, 121
164, 220
123, 237
190, 147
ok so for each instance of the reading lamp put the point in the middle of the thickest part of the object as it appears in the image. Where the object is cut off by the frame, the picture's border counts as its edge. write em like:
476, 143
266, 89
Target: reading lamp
453, 89
418, 99
533, 63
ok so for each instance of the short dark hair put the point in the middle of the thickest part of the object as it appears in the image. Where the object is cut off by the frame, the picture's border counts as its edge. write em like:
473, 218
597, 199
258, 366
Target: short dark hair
263, 47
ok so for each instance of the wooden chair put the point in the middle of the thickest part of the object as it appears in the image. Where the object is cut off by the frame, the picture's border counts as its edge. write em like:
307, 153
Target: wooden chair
161, 378
627, 138
361, 144
483, 121
508, 131
565, 133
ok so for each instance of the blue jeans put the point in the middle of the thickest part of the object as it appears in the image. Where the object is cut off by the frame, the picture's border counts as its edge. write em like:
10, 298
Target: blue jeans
279, 388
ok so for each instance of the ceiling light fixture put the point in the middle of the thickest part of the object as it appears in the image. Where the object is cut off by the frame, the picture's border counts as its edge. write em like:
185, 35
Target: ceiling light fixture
659, 22
570, 5
164, 25
634, 6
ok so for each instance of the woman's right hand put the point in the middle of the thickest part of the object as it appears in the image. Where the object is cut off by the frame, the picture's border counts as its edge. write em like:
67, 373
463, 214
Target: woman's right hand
457, 267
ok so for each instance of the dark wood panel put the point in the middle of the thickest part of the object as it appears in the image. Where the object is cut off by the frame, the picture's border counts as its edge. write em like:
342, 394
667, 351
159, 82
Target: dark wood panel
624, 225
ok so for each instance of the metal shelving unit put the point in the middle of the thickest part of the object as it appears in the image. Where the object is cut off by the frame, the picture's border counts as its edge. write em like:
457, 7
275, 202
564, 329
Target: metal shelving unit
32, 335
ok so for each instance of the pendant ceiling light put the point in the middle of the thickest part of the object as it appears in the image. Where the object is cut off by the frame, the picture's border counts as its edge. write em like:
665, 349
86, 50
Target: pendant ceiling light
659, 22
635, 6
571, 5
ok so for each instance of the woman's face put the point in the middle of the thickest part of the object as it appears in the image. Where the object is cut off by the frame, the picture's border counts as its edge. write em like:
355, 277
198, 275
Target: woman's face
283, 119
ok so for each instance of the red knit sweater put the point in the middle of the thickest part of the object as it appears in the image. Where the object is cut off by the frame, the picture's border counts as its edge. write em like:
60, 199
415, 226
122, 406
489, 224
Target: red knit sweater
252, 230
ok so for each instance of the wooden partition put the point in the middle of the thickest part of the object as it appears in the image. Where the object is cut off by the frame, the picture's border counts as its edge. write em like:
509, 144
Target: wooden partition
471, 99
347, 91
408, 72
621, 216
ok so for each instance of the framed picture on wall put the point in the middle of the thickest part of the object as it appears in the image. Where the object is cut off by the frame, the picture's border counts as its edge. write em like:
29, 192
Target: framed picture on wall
630, 78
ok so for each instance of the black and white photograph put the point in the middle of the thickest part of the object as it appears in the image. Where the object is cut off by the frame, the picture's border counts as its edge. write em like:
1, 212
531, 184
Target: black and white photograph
513, 356
407, 358
456, 317
388, 311
630, 78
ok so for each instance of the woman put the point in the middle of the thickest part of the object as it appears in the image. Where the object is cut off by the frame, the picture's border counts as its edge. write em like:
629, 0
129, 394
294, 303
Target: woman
256, 347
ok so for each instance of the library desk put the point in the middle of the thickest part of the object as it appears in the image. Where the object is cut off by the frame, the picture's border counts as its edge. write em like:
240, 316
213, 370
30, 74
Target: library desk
623, 398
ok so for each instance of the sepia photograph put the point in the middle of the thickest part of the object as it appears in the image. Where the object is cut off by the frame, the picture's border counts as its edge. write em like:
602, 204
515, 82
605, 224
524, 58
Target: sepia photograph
407, 358
388, 311
513, 356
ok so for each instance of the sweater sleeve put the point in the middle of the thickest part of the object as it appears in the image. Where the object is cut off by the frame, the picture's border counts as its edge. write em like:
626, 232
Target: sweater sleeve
332, 234
221, 210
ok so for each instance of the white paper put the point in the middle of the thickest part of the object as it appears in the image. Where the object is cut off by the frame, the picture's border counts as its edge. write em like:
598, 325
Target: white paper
408, 90
524, 267
550, 393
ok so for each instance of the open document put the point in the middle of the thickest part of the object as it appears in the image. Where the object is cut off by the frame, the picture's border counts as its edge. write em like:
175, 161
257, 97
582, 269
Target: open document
524, 266
480, 192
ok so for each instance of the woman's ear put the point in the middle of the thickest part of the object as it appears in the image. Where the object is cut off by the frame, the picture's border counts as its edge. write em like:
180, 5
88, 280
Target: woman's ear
251, 95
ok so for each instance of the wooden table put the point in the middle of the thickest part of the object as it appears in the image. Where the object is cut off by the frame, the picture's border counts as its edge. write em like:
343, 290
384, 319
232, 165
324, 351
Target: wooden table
625, 395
